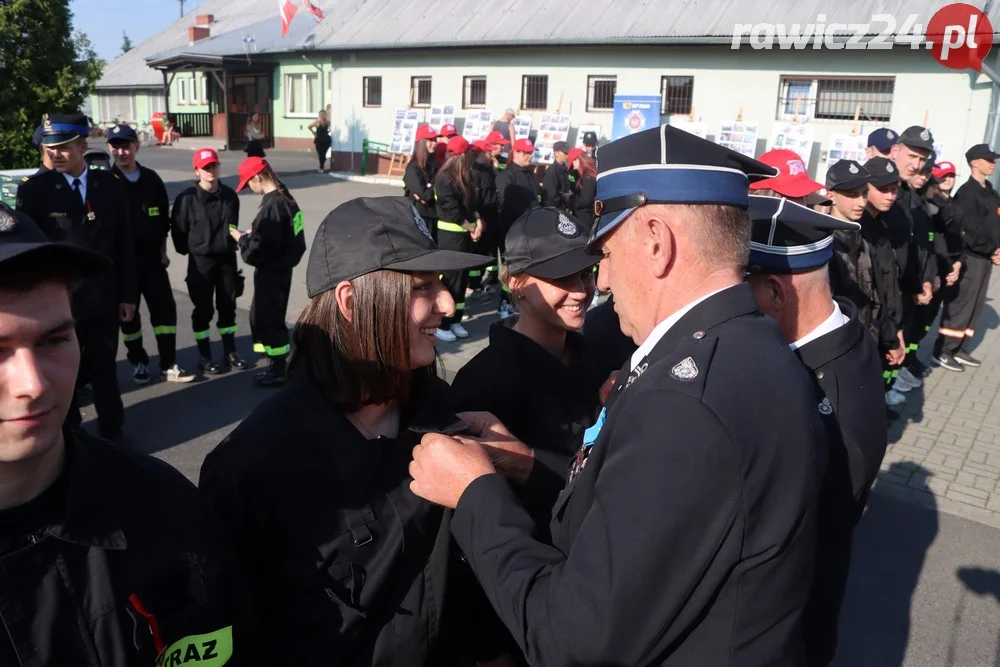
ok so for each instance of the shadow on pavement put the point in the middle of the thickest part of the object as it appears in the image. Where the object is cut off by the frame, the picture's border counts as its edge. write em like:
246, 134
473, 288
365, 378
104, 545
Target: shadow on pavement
890, 546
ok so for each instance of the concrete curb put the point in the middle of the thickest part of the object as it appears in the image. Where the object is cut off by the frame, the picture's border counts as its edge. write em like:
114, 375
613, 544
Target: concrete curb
372, 180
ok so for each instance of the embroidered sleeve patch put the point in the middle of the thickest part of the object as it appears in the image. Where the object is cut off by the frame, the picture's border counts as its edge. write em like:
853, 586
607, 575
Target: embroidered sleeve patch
298, 223
153, 211
209, 650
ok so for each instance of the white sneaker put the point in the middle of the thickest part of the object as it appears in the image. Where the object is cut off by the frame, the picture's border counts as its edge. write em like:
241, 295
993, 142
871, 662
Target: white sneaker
176, 374
459, 330
909, 378
140, 375
894, 398
445, 335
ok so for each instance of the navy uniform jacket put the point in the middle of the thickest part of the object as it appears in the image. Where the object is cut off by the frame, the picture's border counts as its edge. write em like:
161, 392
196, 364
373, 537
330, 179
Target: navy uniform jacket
106, 228
688, 537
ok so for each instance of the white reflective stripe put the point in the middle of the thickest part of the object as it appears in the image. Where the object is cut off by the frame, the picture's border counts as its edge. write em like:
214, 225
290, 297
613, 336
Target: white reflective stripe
791, 250
663, 144
690, 167
774, 221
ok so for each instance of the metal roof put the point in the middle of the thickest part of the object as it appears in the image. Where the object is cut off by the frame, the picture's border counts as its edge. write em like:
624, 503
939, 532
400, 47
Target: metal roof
407, 24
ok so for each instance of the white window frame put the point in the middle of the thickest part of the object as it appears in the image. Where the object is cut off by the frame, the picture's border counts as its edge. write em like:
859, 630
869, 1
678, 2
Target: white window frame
415, 91
592, 80
182, 90
306, 103
467, 91
204, 89
193, 90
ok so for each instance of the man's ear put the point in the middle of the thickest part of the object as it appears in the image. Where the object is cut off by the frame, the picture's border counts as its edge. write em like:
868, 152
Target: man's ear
344, 293
659, 241
778, 293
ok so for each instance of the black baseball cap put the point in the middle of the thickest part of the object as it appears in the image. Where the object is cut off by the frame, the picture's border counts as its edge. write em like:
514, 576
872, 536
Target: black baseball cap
547, 243
883, 139
21, 239
590, 139
373, 233
883, 172
122, 132
981, 151
916, 136
847, 175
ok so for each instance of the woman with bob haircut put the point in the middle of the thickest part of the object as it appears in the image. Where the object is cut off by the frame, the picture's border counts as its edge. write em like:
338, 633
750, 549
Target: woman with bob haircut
346, 566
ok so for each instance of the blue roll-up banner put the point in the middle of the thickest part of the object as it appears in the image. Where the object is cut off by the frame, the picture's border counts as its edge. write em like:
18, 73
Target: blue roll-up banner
635, 113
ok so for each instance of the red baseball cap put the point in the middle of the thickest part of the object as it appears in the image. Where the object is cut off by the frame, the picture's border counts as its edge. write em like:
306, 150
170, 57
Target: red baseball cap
495, 137
457, 145
793, 178
250, 168
426, 132
480, 146
204, 157
574, 154
524, 146
943, 169
448, 131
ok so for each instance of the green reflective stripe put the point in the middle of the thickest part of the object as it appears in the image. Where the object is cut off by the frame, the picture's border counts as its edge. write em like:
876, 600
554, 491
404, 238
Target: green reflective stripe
276, 351
163, 331
505, 288
927, 328
227, 330
886, 375
930, 236
912, 347
213, 649
298, 223
152, 210
460, 306
201, 335
259, 348
895, 373
475, 273
451, 227
128, 338
233, 227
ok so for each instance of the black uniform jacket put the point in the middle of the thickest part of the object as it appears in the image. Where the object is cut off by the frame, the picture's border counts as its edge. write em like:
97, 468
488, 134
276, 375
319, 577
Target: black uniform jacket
102, 224
150, 208
556, 190
345, 564
544, 402
949, 238
451, 205
484, 181
688, 536
121, 564
583, 202
517, 193
980, 207
910, 230
277, 237
201, 220
417, 181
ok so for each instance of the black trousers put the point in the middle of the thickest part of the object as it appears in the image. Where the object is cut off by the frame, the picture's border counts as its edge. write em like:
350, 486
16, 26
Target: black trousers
455, 281
321, 148
154, 287
961, 313
919, 325
212, 277
98, 352
271, 288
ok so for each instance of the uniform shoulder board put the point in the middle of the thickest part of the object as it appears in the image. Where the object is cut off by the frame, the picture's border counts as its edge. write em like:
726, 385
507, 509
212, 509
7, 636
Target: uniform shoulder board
24, 179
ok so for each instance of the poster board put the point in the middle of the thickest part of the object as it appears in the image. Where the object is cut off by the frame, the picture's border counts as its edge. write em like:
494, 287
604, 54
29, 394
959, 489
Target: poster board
441, 115
478, 123
739, 136
522, 127
634, 113
584, 129
551, 128
697, 128
844, 147
796, 137
404, 131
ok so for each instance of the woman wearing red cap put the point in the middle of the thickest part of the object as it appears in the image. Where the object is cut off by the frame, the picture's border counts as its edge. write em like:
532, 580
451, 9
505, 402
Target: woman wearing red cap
273, 246
418, 180
459, 226
586, 186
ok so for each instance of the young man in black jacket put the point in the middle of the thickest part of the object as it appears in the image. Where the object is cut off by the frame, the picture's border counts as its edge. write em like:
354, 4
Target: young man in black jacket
199, 224
979, 204
556, 189
151, 225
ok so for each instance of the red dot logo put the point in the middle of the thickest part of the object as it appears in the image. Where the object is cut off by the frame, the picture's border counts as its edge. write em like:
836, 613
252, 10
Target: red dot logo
960, 36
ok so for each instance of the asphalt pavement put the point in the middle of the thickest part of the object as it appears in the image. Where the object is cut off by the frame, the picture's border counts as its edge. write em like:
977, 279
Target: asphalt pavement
925, 585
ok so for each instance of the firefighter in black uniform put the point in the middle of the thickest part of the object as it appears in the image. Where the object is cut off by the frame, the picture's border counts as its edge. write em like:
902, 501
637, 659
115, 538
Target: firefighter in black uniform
273, 246
484, 183
88, 208
151, 225
690, 473
200, 225
791, 247
979, 205
345, 565
517, 193
556, 189
418, 180
106, 556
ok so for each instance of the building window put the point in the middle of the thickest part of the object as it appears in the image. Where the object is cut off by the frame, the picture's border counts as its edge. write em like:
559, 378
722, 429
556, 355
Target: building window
473, 92
601, 93
836, 98
301, 94
371, 95
535, 92
676, 94
193, 86
420, 91
116, 107
157, 101
204, 88
182, 91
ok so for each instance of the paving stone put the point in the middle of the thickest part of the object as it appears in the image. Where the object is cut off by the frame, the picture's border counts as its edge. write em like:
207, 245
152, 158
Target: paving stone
958, 496
965, 478
976, 456
985, 483
969, 490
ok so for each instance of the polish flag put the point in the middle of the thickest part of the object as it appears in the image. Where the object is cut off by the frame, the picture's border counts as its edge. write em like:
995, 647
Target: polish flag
316, 11
287, 10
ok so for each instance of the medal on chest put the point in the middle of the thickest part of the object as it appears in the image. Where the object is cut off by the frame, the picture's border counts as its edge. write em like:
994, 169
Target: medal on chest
589, 438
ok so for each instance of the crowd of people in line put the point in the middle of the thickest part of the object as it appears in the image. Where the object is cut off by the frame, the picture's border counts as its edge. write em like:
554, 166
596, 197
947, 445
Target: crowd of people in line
670, 478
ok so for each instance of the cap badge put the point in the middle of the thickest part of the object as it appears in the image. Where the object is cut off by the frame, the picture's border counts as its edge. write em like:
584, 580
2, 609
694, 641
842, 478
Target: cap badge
925, 135
795, 167
46, 123
7, 221
421, 225
825, 408
567, 227
686, 370
853, 168
889, 168
598, 207
890, 135
116, 130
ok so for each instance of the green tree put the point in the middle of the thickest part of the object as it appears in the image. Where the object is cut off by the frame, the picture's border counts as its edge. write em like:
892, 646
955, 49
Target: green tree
126, 43
43, 68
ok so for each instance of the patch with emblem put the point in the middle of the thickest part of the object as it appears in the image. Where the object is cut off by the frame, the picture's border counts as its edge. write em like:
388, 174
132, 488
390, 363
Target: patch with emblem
567, 227
421, 224
153, 211
46, 124
212, 649
298, 223
686, 370
7, 221
853, 169
825, 407
116, 130
889, 168
890, 135
925, 135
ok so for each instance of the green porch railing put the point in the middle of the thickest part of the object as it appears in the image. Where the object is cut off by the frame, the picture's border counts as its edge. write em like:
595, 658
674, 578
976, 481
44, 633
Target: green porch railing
369, 146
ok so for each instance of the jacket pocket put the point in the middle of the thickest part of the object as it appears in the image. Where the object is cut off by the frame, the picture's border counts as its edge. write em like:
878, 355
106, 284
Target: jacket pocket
349, 550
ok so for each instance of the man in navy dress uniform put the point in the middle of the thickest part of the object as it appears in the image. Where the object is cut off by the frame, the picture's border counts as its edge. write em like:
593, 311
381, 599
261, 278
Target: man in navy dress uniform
685, 534
790, 250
